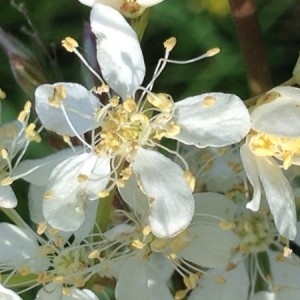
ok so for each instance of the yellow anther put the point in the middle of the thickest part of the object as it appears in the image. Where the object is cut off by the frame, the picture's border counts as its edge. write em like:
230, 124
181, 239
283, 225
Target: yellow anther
219, 280
208, 101
58, 279
212, 52
2, 94
231, 266
82, 178
42, 227
114, 101
120, 183
191, 281
24, 270
170, 43
126, 173
59, 94
138, 244
31, 133
65, 290
191, 180
267, 98
53, 231
69, 44
67, 139
172, 130
164, 102
48, 195
4, 154
27, 107
129, 105
287, 252
103, 194
179, 295
104, 88
94, 254
226, 225
7, 181
179, 242
146, 230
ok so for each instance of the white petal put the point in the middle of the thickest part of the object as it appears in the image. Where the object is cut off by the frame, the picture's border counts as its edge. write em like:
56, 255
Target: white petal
213, 119
250, 166
135, 198
54, 292
280, 116
283, 294
19, 247
209, 246
7, 197
80, 105
279, 195
213, 204
118, 50
35, 197
235, 286
148, 3
285, 273
38, 170
7, 294
66, 208
171, 200
143, 283
88, 2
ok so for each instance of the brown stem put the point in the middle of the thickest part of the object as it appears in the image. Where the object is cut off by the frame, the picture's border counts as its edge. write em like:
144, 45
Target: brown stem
251, 43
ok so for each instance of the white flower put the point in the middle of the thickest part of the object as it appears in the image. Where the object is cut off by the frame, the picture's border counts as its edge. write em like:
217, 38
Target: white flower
61, 266
273, 145
14, 140
127, 7
129, 129
7, 294
202, 245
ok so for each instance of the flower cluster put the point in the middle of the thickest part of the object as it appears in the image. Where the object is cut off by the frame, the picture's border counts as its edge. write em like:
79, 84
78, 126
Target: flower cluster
150, 197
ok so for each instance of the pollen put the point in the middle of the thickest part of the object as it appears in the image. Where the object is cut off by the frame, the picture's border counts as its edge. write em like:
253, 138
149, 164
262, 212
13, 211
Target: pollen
282, 148
82, 178
170, 43
208, 101
162, 101
59, 94
69, 44
2, 94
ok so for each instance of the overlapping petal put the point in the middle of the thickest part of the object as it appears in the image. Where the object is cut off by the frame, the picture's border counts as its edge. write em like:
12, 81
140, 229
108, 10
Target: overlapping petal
212, 119
279, 117
72, 183
171, 200
118, 50
7, 197
79, 103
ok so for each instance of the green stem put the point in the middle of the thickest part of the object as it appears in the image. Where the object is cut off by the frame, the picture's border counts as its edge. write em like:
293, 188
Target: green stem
139, 24
104, 210
14, 216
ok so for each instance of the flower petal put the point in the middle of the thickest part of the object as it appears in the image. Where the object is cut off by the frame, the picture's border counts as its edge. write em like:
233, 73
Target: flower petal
280, 116
19, 247
143, 283
171, 200
118, 50
222, 285
7, 197
72, 183
250, 166
55, 291
212, 119
209, 246
79, 103
38, 170
279, 195
7, 294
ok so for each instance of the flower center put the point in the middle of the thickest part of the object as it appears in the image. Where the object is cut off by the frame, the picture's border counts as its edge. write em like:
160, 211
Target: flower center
255, 231
283, 148
123, 130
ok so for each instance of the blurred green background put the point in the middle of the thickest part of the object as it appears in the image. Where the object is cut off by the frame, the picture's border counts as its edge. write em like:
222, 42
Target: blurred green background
197, 24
